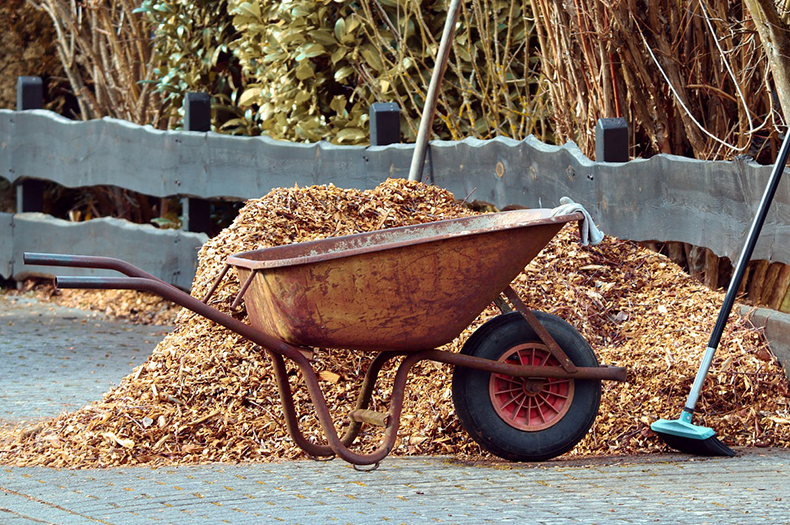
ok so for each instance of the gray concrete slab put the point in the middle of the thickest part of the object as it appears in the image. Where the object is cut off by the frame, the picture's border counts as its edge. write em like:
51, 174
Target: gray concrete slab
777, 330
55, 353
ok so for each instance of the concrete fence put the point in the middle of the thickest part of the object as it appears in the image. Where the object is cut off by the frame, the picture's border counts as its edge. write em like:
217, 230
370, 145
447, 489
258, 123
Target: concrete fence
665, 198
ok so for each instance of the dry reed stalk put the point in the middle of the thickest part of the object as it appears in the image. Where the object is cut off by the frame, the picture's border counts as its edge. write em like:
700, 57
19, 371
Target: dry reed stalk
678, 74
105, 50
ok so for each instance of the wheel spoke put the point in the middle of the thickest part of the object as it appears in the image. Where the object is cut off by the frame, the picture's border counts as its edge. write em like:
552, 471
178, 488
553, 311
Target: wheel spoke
557, 394
548, 403
510, 401
540, 410
520, 406
513, 380
528, 411
507, 390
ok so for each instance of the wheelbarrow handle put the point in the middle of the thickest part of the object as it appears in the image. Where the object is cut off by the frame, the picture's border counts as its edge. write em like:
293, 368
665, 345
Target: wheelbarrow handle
101, 283
86, 261
171, 293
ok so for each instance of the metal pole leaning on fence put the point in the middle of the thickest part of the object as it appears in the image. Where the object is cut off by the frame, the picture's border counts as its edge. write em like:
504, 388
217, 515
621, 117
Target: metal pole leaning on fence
197, 117
29, 192
421, 147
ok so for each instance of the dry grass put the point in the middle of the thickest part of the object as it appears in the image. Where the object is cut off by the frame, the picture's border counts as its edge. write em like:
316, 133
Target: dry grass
679, 73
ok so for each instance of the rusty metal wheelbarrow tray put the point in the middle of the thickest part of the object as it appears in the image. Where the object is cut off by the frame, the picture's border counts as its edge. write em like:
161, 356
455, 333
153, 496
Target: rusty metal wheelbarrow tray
401, 292
406, 289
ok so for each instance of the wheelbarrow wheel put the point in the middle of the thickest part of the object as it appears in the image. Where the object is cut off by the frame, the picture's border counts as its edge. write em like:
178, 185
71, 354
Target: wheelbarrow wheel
525, 419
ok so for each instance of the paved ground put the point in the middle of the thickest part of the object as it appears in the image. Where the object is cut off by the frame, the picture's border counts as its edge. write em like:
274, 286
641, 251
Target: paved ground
752, 488
54, 359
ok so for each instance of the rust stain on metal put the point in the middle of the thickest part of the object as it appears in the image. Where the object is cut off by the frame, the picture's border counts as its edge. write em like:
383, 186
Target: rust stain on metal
377, 291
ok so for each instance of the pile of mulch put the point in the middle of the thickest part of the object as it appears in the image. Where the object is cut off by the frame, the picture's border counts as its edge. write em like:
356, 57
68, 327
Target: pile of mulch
207, 395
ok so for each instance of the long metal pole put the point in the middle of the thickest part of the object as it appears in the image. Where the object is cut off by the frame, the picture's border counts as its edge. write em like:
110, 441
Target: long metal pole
737, 277
428, 111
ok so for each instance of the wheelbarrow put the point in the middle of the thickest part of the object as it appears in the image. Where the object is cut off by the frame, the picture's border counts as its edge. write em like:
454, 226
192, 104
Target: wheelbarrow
526, 385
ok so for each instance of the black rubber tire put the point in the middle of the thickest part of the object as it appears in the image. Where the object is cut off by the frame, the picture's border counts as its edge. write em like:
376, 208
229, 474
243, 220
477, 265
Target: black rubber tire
473, 403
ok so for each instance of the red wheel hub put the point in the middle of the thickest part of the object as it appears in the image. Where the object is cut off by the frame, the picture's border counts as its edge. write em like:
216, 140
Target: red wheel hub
530, 403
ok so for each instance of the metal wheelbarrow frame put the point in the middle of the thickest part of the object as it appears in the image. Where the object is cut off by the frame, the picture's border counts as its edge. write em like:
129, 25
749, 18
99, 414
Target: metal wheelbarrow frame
283, 288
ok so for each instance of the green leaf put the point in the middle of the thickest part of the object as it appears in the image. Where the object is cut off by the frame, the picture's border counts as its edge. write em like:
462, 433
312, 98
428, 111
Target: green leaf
165, 223
234, 122
338, 104
323, 37
249, 9
350, 136
373, 58
304, 71
355, 22
300, 11
302, 96
310, 51
343, 73
463, 54
250, 96
340, 29
279, 56
338, 54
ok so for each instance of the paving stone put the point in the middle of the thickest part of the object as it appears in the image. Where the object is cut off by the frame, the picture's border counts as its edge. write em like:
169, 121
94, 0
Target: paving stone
639, 490
65, 358
57, 359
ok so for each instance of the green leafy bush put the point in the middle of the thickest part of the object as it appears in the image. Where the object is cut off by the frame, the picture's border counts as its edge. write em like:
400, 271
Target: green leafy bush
190, 54
308, 70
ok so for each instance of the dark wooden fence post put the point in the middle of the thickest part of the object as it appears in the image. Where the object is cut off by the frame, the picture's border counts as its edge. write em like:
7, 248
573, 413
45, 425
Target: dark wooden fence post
384, 123
29, 93
197, 117
611, 140
30, 192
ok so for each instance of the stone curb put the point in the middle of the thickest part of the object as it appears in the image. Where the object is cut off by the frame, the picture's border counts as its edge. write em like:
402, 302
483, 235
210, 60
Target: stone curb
777, 330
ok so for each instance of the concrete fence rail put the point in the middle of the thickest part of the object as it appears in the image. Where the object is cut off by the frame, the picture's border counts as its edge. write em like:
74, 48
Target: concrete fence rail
665, 198
170, 255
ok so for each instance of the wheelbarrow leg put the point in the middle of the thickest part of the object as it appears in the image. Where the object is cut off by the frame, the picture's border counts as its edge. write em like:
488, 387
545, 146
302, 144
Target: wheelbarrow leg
289, 409
366, 392
336, 444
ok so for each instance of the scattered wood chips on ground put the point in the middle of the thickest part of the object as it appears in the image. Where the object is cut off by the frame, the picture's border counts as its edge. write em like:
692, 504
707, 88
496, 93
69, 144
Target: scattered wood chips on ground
127, 305
207, 395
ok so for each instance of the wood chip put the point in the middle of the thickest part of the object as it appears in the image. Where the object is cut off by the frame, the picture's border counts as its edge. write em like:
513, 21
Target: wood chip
213, 396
